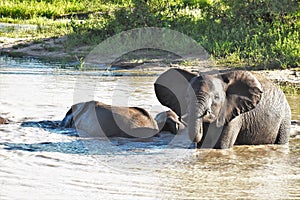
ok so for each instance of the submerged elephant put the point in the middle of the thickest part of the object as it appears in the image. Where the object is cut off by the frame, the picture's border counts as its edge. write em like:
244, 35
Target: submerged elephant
96, 119
169, 121
228, 108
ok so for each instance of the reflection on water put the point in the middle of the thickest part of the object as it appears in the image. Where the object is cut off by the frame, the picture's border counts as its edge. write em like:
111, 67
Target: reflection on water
294, 104
41, 160
244, 172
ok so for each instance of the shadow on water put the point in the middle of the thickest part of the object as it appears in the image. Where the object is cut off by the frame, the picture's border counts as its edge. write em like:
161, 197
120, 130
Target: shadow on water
73, 147
50, 126
114, 146
90, 146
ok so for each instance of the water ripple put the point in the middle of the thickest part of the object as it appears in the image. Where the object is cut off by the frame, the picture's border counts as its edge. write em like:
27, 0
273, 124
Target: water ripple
40, 160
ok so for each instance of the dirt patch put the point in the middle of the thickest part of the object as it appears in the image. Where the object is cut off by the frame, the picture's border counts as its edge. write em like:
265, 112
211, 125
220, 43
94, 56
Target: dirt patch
49, 49
7, 43
282, 76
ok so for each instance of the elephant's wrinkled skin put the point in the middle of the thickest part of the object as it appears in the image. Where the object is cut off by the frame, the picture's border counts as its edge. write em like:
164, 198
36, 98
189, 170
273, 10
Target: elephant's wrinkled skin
225, 109
96, 119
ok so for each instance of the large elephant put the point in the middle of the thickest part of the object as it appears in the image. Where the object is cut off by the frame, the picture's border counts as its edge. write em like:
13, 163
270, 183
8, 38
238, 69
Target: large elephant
228, 108
96, 119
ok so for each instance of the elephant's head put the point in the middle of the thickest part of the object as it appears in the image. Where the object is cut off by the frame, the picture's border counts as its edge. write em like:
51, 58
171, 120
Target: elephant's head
169, 121
217, 98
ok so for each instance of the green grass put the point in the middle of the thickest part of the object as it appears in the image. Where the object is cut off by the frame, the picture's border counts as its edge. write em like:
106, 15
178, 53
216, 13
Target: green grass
51, 9
45, 28
262, 34
289, 88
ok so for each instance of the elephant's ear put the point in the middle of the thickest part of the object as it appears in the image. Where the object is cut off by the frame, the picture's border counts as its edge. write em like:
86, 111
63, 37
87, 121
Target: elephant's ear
243, 93
171, 88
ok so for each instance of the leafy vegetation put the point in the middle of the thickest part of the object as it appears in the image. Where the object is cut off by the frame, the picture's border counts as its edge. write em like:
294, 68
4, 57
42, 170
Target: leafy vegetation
51, 9
289, 88
260, 33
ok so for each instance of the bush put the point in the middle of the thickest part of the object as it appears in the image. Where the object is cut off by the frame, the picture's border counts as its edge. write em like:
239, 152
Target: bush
262, 33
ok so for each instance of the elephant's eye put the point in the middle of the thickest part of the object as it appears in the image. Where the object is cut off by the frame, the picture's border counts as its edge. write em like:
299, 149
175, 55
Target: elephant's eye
217, 96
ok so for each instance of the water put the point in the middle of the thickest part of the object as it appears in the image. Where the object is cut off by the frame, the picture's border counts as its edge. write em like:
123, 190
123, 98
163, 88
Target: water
294, 104
39, 161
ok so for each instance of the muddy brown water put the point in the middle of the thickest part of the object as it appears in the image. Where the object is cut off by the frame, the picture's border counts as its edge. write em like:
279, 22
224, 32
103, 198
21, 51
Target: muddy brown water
41, 162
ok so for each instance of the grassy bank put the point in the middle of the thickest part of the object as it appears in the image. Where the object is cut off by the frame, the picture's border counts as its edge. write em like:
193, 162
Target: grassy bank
289, 88
262, 34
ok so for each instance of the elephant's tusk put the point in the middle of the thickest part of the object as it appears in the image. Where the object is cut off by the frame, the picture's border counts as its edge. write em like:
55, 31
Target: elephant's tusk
185, 116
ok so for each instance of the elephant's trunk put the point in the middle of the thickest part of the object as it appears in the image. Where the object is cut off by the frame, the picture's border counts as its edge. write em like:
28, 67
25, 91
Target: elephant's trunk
195, 122
195, 128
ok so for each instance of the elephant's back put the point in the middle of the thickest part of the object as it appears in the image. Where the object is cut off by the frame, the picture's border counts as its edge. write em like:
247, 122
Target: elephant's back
261, 125
95, 118
273, 98
125, 121
142, 118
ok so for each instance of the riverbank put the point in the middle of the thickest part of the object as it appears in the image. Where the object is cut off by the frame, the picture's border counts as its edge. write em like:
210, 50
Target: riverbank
53, 49
47, 49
